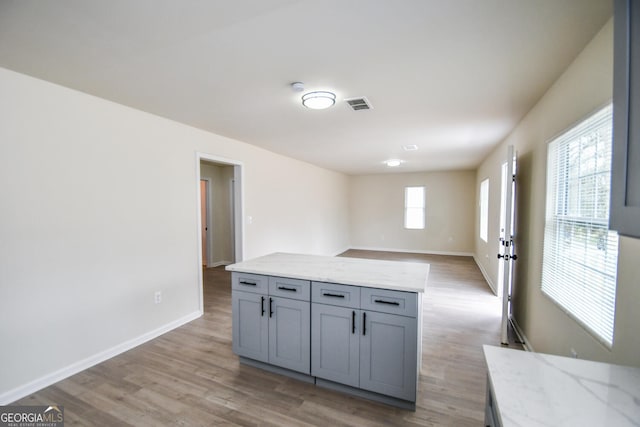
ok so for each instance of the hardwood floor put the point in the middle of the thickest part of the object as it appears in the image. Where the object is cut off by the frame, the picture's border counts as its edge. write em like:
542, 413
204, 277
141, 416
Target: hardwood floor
190, 376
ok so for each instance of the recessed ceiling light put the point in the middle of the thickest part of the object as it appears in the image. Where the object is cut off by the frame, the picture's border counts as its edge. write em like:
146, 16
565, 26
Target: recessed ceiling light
318, 100
410, 147
392, 163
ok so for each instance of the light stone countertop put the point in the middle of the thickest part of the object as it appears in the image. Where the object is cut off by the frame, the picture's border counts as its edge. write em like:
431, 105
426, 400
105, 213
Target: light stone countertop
394, 275
534, 389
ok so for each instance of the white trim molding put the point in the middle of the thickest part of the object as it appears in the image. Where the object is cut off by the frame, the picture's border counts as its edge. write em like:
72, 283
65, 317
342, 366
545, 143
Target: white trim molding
486, 276
521, 336
238, 212
219, 263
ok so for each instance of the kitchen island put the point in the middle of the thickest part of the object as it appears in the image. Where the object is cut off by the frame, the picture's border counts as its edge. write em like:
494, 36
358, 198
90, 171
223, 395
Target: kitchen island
349, 324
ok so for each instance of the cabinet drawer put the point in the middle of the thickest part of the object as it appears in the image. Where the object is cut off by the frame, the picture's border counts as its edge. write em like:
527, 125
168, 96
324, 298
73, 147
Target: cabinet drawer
385, 301
335, 294
250, 282
290, 288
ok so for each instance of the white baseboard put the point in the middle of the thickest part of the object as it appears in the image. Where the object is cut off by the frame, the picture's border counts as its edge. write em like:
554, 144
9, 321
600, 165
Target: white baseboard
410, 251
486, 276
219, 263
521, 336
53, 377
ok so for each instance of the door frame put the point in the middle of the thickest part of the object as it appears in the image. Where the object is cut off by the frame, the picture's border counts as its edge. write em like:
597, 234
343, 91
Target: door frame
502, 233
237, 211
507, 247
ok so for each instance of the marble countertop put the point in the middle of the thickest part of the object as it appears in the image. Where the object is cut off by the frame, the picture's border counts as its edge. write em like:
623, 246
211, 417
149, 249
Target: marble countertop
394, 275
534, 389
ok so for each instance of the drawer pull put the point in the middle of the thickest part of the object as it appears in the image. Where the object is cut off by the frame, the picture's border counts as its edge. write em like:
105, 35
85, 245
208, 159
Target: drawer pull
333, 295
242, 282
284, 288
353, 322
381, 301
364, 323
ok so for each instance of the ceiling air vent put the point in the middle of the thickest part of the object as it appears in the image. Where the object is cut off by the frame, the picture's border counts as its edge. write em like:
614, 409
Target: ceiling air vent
359, 103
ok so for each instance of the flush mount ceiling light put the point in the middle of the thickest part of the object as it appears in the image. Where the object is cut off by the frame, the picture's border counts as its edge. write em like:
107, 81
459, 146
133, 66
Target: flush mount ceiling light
392, 163
318, 100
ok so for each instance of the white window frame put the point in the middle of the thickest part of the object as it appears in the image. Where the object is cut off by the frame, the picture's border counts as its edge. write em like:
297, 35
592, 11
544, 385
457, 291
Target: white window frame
415, 210
579, 266
484, 210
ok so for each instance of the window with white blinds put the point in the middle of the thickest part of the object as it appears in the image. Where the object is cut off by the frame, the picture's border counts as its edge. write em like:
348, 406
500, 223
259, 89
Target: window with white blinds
580, 252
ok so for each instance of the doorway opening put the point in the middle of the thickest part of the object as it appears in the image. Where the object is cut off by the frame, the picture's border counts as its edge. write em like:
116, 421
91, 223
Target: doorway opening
219, 207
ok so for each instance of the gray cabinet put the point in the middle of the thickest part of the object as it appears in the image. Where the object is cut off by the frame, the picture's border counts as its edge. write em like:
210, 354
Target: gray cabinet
335, 344
625, 173
335, 332
250, 325
388, 352
289, 341
360, 340
359, 343
270, 328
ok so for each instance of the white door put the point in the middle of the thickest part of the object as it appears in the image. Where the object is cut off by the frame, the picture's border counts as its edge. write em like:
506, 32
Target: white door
507, 254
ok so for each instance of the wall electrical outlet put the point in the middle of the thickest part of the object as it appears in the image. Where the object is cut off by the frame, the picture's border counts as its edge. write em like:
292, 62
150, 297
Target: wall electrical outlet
157, 297
574, 353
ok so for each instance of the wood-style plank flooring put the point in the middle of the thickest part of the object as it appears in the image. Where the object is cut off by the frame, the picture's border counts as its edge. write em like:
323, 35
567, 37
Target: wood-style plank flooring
190, 377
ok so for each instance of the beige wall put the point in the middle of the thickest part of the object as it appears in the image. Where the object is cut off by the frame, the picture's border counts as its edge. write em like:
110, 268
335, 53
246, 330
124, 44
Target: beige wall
584, 87
377, 212
99, 211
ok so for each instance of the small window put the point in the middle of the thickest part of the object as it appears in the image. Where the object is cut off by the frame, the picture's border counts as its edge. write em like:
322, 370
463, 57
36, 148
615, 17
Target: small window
484, 209
580, 254
414, 206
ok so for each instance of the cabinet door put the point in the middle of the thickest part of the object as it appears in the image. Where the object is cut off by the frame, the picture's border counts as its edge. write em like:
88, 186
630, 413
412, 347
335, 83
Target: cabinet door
335, 338
290, 334
250, 325
388, 354
624, 214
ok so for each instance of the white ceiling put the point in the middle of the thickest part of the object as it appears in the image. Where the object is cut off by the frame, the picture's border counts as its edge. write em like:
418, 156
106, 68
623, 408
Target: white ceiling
452, 76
